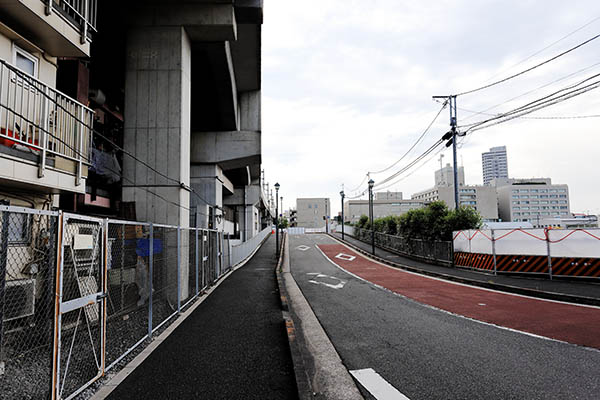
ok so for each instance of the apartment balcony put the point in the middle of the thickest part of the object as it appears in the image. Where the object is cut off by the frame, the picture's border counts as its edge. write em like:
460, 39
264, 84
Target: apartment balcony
45, 136
63, 28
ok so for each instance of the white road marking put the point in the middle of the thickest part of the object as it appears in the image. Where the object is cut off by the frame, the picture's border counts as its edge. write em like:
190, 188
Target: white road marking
346, 257
318, 275
376, 385
302, 248
458, 315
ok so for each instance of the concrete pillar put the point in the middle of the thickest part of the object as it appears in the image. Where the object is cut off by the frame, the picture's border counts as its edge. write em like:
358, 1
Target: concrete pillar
157, 123
204, 179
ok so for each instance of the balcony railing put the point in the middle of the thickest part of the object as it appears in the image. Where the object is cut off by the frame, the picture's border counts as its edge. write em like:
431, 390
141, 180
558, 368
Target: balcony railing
43, 120
79, 13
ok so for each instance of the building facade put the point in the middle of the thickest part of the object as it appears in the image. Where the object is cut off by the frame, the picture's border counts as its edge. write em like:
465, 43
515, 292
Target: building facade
480, 197
533, 200
312, 212
354, 209
152, 113
494, 164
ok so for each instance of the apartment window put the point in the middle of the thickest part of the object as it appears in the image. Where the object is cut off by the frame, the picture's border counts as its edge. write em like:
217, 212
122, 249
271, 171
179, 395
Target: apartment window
523, 190
316, 206
563, 207
543, 196
525, 202
19, 228
545, 213
562, 190
562, 201
535, 202
310, 206
515, 197
524, 196
515, 191
516, 208
553, 190
562, 196
517, 214
524, 208
25, 61
543, 190
554, 202
534, 196
534, 208
533, 190
525, 213
544, 202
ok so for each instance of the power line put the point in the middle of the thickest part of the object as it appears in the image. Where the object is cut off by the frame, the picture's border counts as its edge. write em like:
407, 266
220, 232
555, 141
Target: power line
546, 47
474, 113
417, 142
530, 68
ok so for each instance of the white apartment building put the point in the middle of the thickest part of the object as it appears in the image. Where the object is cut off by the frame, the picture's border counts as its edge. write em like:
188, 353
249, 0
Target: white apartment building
533, 200
384, 204
494, 164
312, 212
482, 198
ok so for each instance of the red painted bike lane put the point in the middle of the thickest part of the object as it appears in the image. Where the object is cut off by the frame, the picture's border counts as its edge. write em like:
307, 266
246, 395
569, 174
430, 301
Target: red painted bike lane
567, 322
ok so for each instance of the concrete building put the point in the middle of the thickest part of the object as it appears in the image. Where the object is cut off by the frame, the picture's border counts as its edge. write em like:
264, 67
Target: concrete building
176, 84
532, 200
312, 212
44, 146
382, 207
388, 196
494, 164
482, 198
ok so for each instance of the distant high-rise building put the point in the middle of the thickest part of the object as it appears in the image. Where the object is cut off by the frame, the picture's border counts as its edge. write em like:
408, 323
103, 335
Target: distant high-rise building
494, 164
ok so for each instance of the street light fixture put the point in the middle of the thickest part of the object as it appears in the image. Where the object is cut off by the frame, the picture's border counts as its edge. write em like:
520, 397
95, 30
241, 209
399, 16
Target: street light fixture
342, 195
277, 219
371, 184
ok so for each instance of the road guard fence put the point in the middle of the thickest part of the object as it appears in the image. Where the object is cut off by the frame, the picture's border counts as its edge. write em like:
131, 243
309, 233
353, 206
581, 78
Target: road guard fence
78, 293
551, 252
438, 252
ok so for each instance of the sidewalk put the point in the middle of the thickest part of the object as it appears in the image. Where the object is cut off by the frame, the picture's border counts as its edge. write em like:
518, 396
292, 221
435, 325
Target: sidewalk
233, 346
567, 290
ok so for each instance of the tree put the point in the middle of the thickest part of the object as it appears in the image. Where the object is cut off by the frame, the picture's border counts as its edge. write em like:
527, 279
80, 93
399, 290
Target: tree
283, 223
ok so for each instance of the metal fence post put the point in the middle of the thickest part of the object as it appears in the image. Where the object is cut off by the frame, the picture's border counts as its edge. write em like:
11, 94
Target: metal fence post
58, 300
105, 293
547, 232
150, 273
196, 261
494, 250
3, 261
178, 268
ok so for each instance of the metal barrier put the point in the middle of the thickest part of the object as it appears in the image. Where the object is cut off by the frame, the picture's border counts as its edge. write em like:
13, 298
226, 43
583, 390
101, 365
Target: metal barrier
27, 307
78, 293
436, 251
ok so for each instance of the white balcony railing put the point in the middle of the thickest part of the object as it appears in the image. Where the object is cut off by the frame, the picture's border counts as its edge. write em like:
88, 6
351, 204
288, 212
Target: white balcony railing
79, 13
44, 121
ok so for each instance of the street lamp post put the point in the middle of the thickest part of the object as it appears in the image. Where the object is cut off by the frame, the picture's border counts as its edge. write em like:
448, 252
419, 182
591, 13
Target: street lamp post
342, 194
371, 183
277, 219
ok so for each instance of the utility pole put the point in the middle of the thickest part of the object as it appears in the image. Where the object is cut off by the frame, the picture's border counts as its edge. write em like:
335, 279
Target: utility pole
451, 140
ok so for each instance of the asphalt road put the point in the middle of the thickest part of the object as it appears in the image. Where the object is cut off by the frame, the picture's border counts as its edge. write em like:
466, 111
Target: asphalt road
426, 353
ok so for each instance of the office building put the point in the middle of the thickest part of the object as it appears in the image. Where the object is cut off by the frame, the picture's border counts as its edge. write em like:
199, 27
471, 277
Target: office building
533, 200
384, 204
494, 164
312, 212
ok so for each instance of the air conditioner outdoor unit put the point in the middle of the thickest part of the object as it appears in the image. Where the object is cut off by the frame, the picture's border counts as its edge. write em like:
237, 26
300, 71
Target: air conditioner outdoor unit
19, 299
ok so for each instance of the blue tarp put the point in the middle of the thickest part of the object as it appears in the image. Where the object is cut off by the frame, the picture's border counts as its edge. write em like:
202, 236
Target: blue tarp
143, 246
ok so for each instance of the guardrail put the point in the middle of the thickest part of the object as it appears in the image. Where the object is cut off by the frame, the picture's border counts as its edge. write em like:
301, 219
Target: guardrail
79, 13
38, 118
78, 293
431, 251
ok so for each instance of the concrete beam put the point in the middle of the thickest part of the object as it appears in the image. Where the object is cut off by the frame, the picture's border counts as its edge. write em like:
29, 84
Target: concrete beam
202, 22
233, 149
246, 57
249, 11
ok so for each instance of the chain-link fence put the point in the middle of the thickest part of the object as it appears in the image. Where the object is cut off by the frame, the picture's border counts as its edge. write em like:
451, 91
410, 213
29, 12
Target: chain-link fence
27, 306
78, 293
431, 250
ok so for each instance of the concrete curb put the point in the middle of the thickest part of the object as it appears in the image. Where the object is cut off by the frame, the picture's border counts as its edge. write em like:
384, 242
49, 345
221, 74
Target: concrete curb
569, 298
319, 370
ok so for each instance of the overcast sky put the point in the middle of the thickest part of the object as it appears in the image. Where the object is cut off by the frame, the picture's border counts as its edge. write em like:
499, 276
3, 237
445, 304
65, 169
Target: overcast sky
347, 88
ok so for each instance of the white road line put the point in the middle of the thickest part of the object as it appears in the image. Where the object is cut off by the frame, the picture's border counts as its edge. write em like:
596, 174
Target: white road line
376, 385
